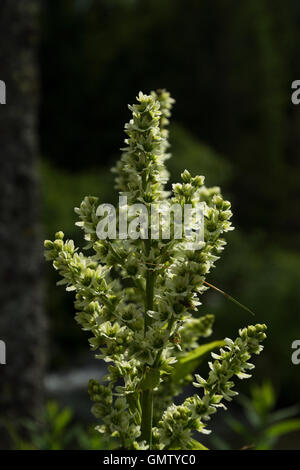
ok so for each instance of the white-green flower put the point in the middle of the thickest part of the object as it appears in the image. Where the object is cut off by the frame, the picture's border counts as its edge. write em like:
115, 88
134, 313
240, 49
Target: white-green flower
139, 300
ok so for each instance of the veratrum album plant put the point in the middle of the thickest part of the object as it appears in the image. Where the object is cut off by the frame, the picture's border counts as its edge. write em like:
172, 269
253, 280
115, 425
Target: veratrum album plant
139, 300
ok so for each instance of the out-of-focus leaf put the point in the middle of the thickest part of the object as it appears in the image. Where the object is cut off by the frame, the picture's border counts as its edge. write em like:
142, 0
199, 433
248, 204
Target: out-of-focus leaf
264, 398
253, 417
62, 420
279, 429
284, 413
187, 364
52, 409
237, 426
219, 443
265, 442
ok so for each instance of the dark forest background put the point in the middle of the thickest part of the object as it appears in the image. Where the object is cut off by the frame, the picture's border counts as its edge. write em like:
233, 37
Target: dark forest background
230, 66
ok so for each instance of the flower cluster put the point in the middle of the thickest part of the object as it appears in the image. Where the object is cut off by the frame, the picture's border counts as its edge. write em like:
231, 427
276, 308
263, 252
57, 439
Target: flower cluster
175, 428
141, 174
139, 298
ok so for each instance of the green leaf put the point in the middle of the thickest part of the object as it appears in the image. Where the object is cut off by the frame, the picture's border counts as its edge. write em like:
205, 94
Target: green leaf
197, 445
187, 364
263, 398
62, 420
284, 427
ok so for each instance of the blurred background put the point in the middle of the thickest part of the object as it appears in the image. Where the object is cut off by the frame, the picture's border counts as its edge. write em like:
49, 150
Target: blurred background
70, 68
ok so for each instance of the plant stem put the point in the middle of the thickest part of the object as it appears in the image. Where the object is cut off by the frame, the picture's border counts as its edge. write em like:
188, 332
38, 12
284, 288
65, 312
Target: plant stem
147, 416
150, 279
147, 395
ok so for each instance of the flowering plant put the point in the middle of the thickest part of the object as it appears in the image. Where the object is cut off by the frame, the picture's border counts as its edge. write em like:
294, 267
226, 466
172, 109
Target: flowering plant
137, 297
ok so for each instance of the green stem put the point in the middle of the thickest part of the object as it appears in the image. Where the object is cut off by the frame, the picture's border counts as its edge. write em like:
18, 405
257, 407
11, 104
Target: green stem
147, 395
150, 279
147, 416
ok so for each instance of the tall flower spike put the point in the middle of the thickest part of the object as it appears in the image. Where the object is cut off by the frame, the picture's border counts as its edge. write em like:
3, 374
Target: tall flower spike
137, 297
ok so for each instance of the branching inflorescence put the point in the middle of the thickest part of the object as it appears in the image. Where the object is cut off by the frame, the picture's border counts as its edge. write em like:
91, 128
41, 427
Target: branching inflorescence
137, 298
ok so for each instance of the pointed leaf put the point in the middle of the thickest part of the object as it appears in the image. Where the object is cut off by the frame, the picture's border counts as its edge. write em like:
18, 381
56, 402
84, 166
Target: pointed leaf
198, 446
187, 364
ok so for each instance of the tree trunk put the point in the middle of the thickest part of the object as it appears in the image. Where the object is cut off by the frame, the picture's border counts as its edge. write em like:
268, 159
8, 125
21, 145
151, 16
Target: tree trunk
22, 320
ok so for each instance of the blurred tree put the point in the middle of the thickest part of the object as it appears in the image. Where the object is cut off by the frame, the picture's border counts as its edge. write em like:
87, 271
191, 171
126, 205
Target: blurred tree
22, 321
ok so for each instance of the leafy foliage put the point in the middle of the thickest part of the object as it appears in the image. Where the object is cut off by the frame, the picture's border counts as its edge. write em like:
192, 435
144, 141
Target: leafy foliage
262, 426
56, 429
